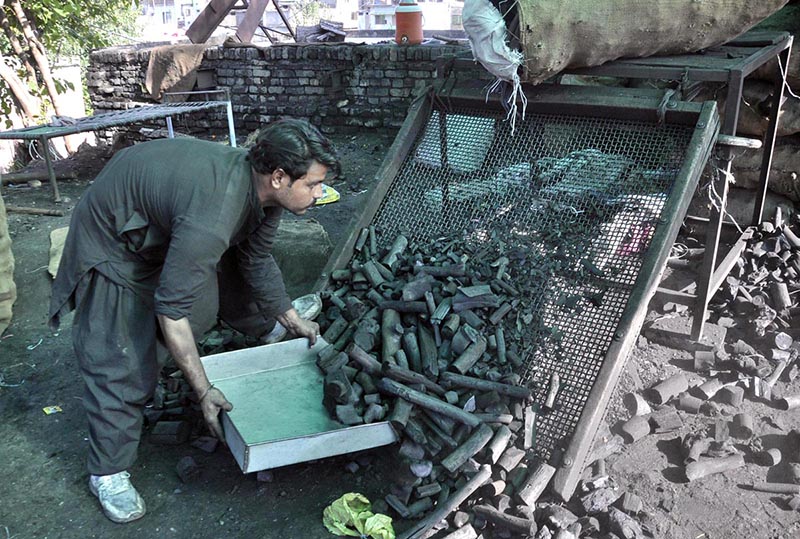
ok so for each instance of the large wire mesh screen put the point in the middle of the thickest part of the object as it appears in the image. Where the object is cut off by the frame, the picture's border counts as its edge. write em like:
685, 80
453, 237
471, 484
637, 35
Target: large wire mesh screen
571, 202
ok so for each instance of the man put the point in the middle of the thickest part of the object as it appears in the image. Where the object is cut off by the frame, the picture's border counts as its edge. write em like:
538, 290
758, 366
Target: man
171, 233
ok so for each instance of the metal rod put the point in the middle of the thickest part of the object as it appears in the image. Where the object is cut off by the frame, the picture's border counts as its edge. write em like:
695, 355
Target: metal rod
231, 130
170, 130
770, 136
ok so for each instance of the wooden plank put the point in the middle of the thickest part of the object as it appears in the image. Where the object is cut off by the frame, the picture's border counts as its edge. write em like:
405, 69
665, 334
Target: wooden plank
251, 21
208, 20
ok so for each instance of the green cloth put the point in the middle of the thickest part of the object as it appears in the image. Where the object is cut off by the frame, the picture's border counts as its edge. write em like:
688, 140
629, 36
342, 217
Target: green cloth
158, 219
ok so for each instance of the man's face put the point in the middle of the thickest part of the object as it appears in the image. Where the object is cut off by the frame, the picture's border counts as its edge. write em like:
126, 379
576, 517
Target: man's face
300, 195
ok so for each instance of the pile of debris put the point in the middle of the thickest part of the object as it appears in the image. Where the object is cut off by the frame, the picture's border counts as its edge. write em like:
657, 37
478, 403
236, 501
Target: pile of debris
417, 337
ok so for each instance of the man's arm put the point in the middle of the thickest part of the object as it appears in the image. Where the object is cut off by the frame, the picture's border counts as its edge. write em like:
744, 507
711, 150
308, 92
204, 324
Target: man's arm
180, 343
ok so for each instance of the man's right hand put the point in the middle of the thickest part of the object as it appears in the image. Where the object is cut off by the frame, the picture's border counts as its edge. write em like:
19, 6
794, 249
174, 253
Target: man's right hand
212, 403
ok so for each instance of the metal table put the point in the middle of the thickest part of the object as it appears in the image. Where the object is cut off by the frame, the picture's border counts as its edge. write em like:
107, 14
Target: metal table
42, 133
730, 64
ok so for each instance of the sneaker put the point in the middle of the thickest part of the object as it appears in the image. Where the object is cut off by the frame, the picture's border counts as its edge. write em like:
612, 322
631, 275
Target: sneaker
308, 307
120, 501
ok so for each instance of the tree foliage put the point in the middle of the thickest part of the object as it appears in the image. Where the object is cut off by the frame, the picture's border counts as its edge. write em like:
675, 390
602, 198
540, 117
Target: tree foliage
34, 31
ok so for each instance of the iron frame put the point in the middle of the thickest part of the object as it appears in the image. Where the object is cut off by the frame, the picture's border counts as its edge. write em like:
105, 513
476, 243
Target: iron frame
616, 103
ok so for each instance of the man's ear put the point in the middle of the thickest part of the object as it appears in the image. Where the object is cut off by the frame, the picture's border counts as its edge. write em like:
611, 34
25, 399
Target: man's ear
277, 177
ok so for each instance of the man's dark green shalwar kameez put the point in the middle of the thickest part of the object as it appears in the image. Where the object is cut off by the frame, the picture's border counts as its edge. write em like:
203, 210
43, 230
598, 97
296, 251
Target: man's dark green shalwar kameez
170, 227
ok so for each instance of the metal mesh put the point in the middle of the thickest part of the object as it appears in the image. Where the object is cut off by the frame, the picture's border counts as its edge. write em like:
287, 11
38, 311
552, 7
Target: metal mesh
571, 201
111, 119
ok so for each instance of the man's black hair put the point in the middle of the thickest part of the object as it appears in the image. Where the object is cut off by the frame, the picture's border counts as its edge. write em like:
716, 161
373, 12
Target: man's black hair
292, 145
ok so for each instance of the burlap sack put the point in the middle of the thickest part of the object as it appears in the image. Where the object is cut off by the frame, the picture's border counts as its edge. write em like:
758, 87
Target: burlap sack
8, 290
583, 33
785, 170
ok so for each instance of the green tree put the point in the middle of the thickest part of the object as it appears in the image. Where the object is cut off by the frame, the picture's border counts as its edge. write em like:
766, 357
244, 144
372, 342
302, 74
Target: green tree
33, 30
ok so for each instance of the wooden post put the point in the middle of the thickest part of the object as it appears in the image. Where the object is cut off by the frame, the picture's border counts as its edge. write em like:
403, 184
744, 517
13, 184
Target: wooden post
477, 440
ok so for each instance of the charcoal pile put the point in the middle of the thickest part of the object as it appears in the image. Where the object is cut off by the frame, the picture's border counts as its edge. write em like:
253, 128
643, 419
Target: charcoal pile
428, 338
764, 284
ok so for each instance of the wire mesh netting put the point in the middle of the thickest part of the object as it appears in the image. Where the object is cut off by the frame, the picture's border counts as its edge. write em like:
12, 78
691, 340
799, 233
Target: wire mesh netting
111, 119
572, 202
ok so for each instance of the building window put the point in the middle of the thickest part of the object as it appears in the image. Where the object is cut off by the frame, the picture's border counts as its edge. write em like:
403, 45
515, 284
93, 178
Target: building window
455, 21
166, 17
380, 19
354, 16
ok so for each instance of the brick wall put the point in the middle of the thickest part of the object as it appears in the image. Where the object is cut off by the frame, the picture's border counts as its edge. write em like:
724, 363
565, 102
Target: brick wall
339, 87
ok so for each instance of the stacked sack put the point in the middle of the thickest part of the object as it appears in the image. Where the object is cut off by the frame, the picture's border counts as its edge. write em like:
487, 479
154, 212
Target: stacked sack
8, 290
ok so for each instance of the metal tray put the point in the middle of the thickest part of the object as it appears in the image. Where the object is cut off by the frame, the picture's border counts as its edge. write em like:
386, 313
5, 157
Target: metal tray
278, 417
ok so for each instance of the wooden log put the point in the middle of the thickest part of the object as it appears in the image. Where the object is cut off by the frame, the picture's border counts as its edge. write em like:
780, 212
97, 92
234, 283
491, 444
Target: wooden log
511, 458
635, 428
776, 488
704, 467
419, 530
665, 420
743, 425
398, 505
452, 270
635, 404
34, 211
416, 289
450, 325
493, 489
770, 457
413, 429
391, 333
438, 431
466, 336
370, 270
445, 424
529, 430
689, 403
500, 337
411, 348
41, 175
704, 360
451, 379
514, 524
336, 328
499, 443
471, 355
392, 258
424, 491
471, 319
504, 419
401, 412
429, 356
552, 391
667, 389
348, 415
420, 506
464, 532
733, 395
413, 307
500, 313
391, 387
534, 485
399, 374
789, 403
779, 293
367, 362
476, 441
708, 389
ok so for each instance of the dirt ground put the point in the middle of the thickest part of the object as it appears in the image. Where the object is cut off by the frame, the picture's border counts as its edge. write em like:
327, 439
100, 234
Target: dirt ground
43, 491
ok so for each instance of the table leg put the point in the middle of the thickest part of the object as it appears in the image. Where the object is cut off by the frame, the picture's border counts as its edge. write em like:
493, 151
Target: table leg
50, 172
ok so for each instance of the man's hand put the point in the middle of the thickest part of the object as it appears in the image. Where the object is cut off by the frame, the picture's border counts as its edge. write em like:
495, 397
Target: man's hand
302, 328
211, 404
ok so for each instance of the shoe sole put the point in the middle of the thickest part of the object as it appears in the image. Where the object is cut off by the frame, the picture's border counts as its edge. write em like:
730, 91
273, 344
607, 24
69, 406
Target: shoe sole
112, 518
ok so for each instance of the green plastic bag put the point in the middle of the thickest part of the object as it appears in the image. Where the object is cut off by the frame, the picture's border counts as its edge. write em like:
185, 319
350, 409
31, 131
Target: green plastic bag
352, 515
